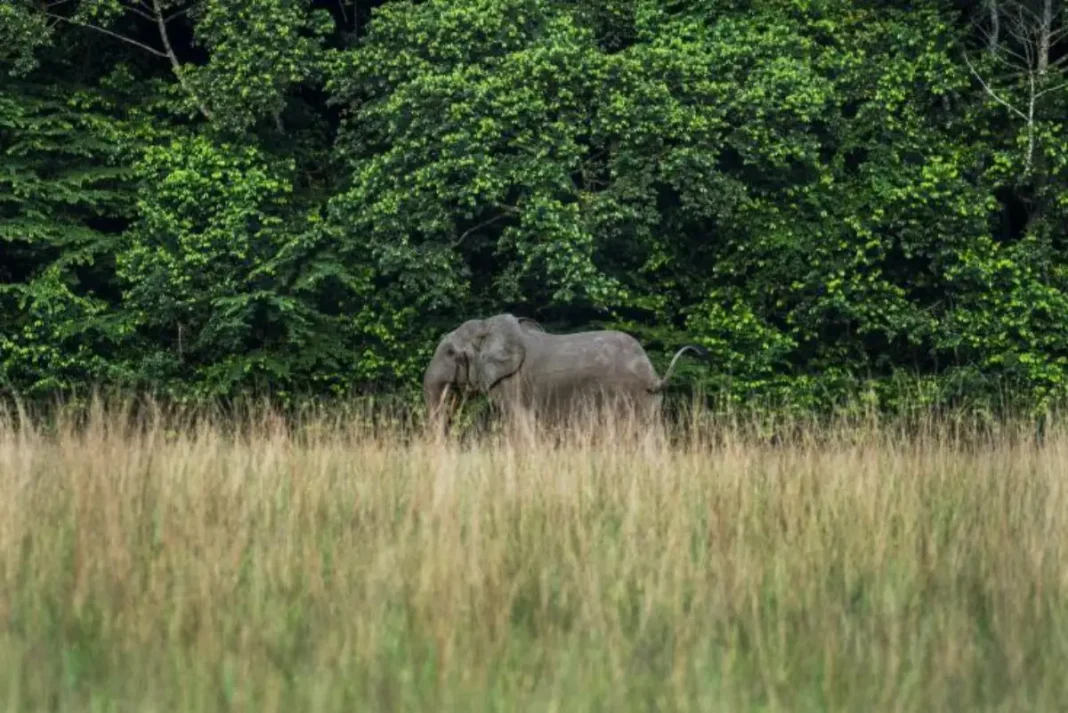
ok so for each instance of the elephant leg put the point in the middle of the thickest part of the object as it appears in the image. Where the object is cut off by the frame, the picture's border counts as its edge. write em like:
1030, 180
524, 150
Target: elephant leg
511, 406
628, 414
652, 409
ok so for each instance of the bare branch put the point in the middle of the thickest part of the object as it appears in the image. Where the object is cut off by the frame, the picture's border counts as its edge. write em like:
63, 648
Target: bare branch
1044, 36
1029, 50
1030, 37
1023, 40
994, 36
991, 92
141, 13
997, 57
105, 31
176, 66
481, 225
1022, 8
1017, 75
1051, 89
982, 31
176, 13
1022, 31
1009, 51
1030, 124
1056, 35
511, 209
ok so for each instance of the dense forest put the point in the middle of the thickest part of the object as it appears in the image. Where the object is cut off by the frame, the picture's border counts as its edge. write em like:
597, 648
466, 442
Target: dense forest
212, 197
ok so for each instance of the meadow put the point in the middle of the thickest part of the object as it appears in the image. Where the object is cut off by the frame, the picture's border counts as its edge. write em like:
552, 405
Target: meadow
170, 562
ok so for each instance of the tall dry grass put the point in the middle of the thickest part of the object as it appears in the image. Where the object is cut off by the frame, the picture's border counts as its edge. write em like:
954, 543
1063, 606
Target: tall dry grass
160, 563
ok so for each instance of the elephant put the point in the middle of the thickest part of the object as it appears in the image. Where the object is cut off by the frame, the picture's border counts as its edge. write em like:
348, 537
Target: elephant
524, 369
527, 320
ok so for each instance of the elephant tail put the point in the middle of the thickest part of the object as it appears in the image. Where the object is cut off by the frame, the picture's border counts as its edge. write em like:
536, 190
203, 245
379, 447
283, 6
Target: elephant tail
696, 348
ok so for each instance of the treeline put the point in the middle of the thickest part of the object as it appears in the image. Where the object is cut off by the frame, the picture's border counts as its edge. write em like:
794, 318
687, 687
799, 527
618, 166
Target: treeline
214, 197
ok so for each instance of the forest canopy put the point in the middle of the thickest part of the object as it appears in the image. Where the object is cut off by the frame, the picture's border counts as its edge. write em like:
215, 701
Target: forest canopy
212, 197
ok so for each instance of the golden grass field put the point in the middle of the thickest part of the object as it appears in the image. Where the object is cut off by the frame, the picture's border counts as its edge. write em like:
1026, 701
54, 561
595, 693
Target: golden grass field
156, 564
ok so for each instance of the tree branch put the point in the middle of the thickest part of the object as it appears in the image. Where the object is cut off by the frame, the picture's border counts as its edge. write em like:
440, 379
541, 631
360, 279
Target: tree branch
483, 224
995, 26
1045, 28
1051, 89
991, 92
176, 66
176, 13
1021, 31
1010, 52
507, 208
1021, 8
1030, 124
107, 32
141, 13
1030, 38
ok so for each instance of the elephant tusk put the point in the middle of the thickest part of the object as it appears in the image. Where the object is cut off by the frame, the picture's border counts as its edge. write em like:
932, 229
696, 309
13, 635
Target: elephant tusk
444, 396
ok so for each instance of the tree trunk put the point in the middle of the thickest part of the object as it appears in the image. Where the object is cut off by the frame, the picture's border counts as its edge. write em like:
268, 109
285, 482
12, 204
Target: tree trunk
1045, 32
995, 26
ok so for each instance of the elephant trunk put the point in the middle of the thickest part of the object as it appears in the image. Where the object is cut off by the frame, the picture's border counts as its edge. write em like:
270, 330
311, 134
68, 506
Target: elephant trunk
435, 389
433, 394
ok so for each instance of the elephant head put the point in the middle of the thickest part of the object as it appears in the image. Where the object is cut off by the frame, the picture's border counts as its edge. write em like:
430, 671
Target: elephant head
475, 357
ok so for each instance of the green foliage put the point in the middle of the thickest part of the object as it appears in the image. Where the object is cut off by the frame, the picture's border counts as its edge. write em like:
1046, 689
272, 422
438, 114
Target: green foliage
821, 192
258, 50
471, 126
22, 33
62, 182
200, 261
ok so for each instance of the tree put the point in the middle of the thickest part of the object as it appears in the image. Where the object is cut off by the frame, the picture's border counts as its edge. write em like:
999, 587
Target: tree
257, 49
826, 193
65, 192
1020, 73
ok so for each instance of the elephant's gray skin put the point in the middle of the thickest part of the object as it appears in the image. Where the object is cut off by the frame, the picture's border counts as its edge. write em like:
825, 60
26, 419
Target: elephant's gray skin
526, 369
524, 321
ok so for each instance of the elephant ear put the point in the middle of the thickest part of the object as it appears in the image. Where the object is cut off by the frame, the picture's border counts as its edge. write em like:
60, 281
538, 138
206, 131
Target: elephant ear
500, 352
